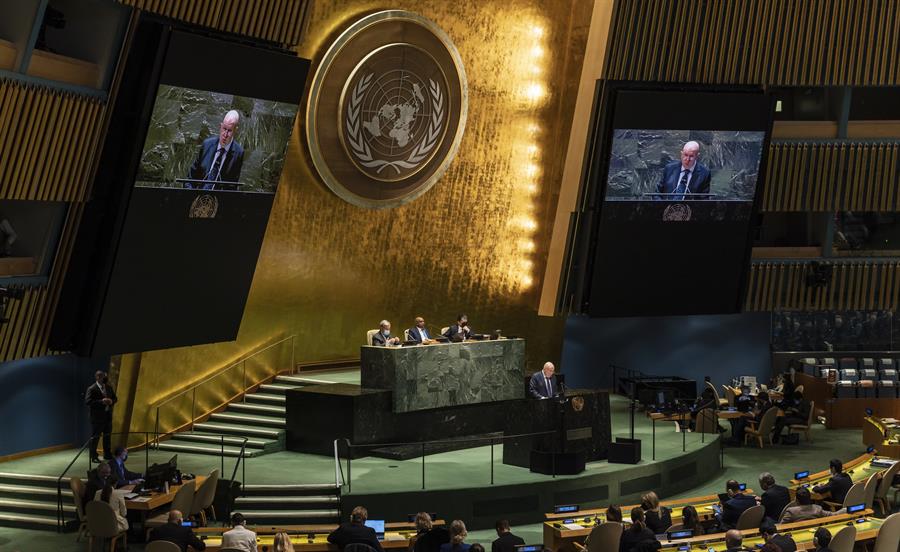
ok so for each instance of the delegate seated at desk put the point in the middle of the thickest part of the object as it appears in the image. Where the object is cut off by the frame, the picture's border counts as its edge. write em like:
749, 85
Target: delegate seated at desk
839, 484
383, 337
543, 384
459, 331
355, 532
419, 333
120, 473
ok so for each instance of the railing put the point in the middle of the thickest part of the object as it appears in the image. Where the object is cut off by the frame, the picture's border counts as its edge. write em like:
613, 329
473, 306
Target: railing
486, 440
150, 438
223, 379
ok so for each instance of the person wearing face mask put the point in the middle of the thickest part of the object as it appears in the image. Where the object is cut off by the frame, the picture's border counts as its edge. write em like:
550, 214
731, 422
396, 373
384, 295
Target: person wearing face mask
459, 331
100, 398
120, 473
383, 337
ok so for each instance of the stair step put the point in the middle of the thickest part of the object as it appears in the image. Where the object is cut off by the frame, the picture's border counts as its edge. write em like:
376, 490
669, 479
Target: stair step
217, 440
30, 491
18, 504
257, 500
291, 488
237, 429
248, 419
291, 514
266, 398
276, 388
300, 381
27, 520
48, 480
262, 409
198, 448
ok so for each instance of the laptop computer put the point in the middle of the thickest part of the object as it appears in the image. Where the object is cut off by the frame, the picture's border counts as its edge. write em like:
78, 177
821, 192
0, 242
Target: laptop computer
378, 526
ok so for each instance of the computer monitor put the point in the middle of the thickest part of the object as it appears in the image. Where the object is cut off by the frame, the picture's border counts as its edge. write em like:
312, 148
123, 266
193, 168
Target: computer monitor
529, 548
378, 526
801, 475
675, 535
565, 508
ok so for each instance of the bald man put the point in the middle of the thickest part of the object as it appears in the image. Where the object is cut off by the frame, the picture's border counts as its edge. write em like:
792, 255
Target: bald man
543, 384
220, 158
686, 176
174, 532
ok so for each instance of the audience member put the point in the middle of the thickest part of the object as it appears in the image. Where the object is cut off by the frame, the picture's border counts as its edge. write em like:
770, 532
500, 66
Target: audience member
770, 534
637, 535
805, 509
458, 535
839, 483
796, 411
282, 543
691, 520
774, 498
821, 540
173, 532
734, 541
239, 537
476, 548
97, 479
735, 505
658, 518
428, 537
119, 471
117, 501
614, 513
355, 531
506, 541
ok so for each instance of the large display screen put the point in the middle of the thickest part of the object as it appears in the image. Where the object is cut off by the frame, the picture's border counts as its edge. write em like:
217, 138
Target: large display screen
677, 173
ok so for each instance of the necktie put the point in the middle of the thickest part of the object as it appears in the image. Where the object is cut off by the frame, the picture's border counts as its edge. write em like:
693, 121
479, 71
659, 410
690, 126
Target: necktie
682, 185
549, 389
214, 172
424, 333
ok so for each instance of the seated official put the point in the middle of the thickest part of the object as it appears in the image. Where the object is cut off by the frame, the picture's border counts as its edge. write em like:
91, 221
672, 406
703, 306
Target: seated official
774, 498
458, 534
657, 518
428, 537
239, 537
740, 427
97, 479
355, 532
821, 540
382, 338
796, 411
770, 534
173, 532
119, 472
116, 499
419, 333
543, 384
505, 541
805, 509
839, 483
735, 505
637, 537
734, 541
459, 331
282, 543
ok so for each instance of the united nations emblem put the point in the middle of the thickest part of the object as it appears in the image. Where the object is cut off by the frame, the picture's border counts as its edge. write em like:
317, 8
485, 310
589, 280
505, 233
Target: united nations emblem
400, 108
204, 206
677, 212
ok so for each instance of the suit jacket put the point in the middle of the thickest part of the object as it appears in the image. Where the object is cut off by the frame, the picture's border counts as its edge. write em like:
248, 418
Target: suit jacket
120, 473
94, 484
241, 538
774, 500
699, 184
786, 544
733, 509
182, 536
431, 541
93, 398
231, 166
455, 330
658, 522
415, 334
506, 542
803, 513
837, 487
537, 388
379, 339
631, 539
350, 533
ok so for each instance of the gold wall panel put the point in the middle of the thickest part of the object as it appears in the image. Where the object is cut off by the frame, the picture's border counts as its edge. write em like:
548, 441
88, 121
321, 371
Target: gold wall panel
475, 243
784, 42
869, 285
279, 21
836, 176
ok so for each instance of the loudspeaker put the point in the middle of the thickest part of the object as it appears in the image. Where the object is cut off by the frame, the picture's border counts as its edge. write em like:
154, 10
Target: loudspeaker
560, 463
625, 451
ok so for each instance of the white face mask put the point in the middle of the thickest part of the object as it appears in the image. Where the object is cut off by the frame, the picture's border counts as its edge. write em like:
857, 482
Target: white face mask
387, 333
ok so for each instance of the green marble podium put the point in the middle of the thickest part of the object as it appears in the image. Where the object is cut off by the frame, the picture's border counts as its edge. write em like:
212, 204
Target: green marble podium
423, 377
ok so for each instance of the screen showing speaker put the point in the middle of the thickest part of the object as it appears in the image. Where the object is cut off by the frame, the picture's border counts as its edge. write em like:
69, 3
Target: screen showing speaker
678, 172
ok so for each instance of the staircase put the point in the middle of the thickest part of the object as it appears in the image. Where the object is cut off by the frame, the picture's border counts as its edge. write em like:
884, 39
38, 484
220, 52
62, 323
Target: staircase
260, 418
317, 504
29, 501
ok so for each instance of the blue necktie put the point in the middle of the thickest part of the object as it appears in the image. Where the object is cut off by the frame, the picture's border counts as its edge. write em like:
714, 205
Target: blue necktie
682, 186
549, 387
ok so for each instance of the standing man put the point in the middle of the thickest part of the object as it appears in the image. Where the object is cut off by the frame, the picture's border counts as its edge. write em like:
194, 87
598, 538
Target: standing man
382, 338
543, 384
100, 398
220, 158
686, 176
419, 333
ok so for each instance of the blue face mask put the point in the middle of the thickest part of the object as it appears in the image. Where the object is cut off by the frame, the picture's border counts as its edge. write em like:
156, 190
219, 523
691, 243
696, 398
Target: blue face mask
387, 333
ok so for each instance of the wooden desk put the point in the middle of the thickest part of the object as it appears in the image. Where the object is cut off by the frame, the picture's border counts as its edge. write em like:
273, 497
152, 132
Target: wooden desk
318, 542
875, 433
145, 504
859, 469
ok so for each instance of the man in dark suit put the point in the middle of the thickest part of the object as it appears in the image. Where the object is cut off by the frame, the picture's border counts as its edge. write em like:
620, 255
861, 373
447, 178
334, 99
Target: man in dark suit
543, 384
734, 541
220, 158
120, 473
735, 505
96, 481
382, 338
459, 331
419, 333
839, 483
428, 537
768, 532
774, 498
796, 411
100, 398
173, 532
355, 531
686, 176
505, 541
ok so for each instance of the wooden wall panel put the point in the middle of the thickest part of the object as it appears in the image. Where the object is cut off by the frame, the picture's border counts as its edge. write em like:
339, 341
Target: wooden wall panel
855, 285
278, 21
781, 42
